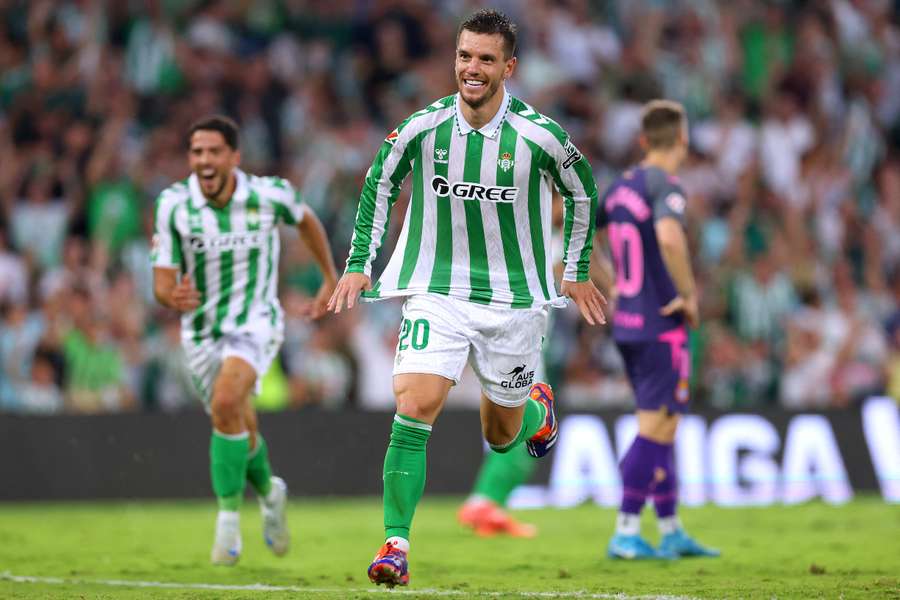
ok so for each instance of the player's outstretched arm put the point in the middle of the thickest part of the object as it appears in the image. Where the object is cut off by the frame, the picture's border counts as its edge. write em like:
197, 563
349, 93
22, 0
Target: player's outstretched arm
602, 271
348, 290
316, 239
174, 292
588, 299
674, 249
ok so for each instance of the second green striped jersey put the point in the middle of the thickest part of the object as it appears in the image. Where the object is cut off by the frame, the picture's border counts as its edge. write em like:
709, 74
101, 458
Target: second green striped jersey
478, 226
230, 253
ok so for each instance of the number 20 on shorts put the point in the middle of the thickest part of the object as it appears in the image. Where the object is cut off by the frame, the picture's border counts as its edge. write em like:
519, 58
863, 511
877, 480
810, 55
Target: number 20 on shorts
414, 332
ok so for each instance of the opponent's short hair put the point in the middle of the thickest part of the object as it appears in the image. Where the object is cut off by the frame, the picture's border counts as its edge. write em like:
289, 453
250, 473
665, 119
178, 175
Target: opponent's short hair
661, 123
490, 21
224, 125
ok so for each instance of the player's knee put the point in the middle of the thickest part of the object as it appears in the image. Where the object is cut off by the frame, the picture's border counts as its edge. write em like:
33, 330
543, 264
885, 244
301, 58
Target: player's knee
417, 403
499, 435
226, 405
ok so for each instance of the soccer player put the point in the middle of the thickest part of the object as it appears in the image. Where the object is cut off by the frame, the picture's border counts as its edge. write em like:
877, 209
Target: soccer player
642, 213
215, 259
473, 260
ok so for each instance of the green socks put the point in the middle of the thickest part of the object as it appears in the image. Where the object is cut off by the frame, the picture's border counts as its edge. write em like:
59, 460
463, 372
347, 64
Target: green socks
259, 471
501, 473
404, 474
532, 420
228, 467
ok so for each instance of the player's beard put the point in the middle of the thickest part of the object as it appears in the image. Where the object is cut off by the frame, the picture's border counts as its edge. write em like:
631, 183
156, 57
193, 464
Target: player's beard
492, 88
222, 179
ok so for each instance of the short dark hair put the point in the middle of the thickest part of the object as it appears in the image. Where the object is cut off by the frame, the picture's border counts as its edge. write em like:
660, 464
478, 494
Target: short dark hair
224, 125
490, 21
661, 123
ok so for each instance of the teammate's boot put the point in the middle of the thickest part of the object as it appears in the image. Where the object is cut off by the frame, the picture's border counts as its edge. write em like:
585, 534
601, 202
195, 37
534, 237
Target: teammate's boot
226, 548
634, 547
273, 509
540, 443
488, 519
680, 543
389, 566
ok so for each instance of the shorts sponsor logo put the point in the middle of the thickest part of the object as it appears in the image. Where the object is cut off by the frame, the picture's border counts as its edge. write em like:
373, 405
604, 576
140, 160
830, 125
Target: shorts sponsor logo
519, 377
464, 190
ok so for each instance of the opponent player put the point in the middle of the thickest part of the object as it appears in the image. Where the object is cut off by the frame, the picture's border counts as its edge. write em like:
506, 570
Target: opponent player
655, 296
473, 259
215, 259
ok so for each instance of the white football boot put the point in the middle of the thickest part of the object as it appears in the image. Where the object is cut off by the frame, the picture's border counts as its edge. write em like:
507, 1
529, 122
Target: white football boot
226, 549
273, 509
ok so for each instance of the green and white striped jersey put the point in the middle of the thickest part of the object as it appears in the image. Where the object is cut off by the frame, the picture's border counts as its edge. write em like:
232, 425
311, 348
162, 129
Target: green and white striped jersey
478, 226
230, 253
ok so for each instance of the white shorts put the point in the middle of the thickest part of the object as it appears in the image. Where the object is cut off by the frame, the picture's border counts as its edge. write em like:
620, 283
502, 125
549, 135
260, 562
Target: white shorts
257, 342
439, 334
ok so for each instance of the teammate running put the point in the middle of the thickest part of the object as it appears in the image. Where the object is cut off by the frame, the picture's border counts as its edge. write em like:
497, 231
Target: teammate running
215, 259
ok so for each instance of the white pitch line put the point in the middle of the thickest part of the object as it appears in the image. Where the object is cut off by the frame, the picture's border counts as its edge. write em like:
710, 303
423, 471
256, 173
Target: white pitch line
261, 587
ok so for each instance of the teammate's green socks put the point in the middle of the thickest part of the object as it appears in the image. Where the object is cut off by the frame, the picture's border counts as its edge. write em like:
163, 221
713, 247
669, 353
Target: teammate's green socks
404, 473
259, 471
501, 473
532, 420
228, 467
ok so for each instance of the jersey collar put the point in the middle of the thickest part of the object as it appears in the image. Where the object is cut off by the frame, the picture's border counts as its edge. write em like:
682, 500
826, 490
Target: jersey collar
493, 126
241, 189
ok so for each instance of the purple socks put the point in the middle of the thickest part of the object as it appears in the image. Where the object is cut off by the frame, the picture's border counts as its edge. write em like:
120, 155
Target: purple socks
665, 493
648, 469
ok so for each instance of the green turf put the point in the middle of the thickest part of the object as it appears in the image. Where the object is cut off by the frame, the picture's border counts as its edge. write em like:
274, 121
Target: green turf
808, 551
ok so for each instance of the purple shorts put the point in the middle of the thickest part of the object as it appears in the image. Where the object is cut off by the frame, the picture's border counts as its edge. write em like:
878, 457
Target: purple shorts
659, 371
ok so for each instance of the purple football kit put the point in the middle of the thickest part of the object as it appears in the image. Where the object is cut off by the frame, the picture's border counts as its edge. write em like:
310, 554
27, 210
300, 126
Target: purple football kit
653, 346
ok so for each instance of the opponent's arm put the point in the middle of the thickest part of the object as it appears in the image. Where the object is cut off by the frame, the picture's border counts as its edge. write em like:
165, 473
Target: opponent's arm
674, 249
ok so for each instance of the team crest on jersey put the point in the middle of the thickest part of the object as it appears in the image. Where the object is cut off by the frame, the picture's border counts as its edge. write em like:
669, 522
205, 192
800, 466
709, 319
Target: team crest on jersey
194, 221
505, 162
440, 155
519, 377
252, 217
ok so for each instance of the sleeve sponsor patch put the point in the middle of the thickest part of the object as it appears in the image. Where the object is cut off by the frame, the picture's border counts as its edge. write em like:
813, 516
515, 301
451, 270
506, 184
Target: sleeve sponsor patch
392, 137
676, 202
572, 154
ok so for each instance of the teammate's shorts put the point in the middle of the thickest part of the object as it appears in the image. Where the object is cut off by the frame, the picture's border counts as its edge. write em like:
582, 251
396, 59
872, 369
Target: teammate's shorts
659, 371
257, 342
439, 334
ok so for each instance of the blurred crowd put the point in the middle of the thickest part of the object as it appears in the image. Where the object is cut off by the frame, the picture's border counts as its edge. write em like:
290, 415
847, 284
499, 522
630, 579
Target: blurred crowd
793, 181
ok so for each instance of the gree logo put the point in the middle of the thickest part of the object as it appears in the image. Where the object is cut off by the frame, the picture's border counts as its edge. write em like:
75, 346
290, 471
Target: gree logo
464, 190
225, 241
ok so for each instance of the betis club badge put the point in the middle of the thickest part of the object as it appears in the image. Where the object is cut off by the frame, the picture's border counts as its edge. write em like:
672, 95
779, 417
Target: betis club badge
505, 161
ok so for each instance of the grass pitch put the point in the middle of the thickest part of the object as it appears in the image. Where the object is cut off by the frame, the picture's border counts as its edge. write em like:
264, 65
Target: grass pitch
122, 550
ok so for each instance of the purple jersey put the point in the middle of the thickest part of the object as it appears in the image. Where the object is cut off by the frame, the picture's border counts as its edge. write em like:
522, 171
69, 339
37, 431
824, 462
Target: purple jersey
629, 210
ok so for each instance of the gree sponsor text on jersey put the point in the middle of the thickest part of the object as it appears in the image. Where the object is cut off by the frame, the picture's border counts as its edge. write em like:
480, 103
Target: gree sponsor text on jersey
464, 190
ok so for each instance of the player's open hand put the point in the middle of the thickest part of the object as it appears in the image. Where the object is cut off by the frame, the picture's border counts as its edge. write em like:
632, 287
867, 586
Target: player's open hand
348, 290
588, 299
319, 304
686, 306
185, 296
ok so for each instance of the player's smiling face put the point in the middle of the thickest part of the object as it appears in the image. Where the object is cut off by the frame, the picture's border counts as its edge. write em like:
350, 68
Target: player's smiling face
481, 66
213, 160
